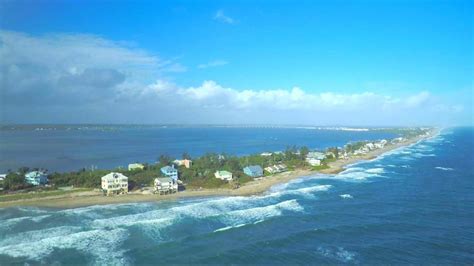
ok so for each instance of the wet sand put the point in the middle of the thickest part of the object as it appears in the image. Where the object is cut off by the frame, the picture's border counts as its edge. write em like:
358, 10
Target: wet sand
81, 199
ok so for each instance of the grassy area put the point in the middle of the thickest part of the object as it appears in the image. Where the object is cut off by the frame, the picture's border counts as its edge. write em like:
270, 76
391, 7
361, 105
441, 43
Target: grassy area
38, 194
320, 167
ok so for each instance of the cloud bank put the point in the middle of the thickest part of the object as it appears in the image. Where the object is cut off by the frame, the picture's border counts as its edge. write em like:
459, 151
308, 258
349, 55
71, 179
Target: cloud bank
77, 78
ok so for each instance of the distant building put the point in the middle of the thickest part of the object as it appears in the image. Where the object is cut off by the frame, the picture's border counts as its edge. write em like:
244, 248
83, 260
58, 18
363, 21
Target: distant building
3, 176
313, 161
165, 185
316, 155
170, 171
187, 163
135, 166
36, 178
223, 175
266, 154
114, 183
253, 171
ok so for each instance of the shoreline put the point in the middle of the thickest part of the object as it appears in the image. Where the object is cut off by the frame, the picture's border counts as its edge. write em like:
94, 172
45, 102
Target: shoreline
255, 187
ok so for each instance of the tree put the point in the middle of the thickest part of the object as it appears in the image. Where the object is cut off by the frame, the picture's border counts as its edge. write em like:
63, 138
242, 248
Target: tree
165, 159
186, 156
304, 151
14, 181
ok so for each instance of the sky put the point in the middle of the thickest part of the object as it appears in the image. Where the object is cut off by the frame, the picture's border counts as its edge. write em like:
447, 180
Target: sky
390, 63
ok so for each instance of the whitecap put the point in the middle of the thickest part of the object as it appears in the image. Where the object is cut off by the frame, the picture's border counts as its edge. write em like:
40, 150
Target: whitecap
346, 196
338, 253
444, 168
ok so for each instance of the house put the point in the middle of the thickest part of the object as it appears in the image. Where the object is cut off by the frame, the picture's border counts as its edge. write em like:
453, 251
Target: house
223, 175
114, 183
370, 146
135, 166
313, 161
165, 185
3, 176
187, 163
253, 171
316, 155
277, 168
170, 171
266, 154
36, 178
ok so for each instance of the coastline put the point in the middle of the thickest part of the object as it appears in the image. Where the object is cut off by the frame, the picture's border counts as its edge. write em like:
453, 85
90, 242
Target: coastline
89, 198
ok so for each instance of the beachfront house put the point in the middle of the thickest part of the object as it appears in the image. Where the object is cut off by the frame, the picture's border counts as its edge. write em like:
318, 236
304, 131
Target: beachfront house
316, 155
185, 162
253, 171
223, 175
266, 154
170, 171
370, 146
165, 185
36, 178
135, 166
277, 168
313, 161
114, 183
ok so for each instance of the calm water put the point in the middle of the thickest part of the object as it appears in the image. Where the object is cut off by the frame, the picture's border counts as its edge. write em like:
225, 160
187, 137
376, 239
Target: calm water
414, 206
64, 150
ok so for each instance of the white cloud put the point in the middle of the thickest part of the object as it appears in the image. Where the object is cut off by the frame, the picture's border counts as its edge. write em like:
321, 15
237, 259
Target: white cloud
220, 16
214, 63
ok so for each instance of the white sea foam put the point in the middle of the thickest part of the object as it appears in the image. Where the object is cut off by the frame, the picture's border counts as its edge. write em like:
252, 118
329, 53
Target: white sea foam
229, 227
339, 254
253, 215
102, 245
346, 196
375, 170
444, 168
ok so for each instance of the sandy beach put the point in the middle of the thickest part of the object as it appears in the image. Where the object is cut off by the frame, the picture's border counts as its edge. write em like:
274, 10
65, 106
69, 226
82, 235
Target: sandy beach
88, 198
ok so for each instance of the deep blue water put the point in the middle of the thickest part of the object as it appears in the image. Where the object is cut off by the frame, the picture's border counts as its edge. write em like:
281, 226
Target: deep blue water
66, 150
412, 206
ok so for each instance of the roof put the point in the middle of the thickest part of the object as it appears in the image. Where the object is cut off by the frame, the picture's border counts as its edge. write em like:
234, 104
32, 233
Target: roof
164, 179
223, 172
254, 168
113, 175
168, 169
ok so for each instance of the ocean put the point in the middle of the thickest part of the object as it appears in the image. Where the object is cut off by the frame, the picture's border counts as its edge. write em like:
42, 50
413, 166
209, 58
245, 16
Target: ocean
413, 205
107, 147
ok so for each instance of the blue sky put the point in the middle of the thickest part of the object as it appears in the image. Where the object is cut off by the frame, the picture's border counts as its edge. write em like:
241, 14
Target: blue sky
310, 62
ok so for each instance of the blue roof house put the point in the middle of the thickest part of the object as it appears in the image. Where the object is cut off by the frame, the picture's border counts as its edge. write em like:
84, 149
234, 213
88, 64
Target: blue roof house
36, 178
170, 171
253, 171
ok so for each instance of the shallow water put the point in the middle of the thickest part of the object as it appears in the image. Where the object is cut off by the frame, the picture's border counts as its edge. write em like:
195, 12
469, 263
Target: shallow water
414, 205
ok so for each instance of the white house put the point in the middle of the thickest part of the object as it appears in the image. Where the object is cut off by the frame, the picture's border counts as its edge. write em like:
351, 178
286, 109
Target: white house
36, 178
266, 154
114, 183
313, 161
3, 176
164, 185
223, 175
136, 166
277, 168
370, 146
316, 155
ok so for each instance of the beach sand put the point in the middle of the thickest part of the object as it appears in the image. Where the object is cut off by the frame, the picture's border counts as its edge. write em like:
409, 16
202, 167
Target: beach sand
81, 199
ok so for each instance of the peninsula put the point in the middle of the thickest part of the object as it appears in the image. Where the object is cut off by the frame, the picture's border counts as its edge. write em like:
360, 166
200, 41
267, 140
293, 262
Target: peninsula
299, 165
